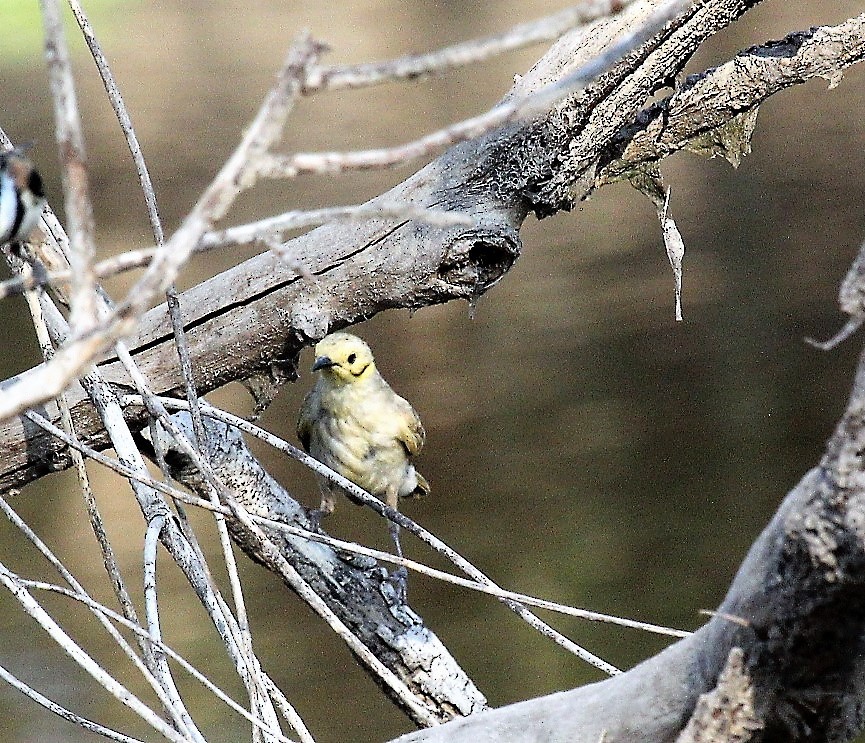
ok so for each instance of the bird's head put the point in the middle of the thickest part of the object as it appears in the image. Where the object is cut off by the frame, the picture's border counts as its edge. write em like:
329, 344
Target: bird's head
22, 196
343, 358
15, 164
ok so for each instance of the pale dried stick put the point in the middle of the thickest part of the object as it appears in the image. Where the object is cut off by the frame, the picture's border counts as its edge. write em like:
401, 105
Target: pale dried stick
472, 585
418, 66
48, 380
10, 581
60, 711
250, 233
70, 141
116, 100
394, 515
96, 522
145, 671
151, 611
140, 631
339, 544
251, 677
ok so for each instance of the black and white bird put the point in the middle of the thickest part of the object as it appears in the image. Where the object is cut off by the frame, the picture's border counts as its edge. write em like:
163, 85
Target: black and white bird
22, 196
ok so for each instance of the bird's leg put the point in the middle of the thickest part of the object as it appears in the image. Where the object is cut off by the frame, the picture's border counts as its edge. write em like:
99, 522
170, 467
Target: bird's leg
328, 503
398, 577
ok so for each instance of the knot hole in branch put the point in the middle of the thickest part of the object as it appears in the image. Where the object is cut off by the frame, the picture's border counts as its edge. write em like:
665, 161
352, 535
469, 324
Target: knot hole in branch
478, 259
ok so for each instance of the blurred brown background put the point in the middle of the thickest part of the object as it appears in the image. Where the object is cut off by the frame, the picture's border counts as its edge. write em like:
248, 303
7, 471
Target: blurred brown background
582, 446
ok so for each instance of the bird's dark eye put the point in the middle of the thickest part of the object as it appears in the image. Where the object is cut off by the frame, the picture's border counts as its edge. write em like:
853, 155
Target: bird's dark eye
352, 357
34, 183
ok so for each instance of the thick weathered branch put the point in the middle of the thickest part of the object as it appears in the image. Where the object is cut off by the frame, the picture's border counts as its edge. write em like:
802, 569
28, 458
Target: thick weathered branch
794, 615
254, 318
706, 103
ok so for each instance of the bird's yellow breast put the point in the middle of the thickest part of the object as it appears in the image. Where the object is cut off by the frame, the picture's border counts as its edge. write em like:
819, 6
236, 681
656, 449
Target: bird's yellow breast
356, 429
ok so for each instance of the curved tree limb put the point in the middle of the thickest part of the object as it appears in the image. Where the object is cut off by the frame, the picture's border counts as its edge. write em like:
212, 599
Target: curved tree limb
784, 654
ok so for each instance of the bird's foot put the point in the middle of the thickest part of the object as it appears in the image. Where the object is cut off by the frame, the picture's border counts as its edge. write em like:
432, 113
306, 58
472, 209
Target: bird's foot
398, 581
315, 515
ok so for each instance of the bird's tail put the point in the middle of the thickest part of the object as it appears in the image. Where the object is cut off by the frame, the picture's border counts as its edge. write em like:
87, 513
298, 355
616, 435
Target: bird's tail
421, 489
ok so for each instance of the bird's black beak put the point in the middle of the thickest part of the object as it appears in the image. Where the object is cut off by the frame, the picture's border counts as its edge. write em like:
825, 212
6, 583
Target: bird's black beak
323, 362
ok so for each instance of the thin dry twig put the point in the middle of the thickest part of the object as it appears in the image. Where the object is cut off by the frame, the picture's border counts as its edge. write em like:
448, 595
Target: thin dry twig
251, 675
247, 234
105, 612
393, 515
291, 166
50, 379
11, 582
70, 140
63, 712
418, 66
192, 500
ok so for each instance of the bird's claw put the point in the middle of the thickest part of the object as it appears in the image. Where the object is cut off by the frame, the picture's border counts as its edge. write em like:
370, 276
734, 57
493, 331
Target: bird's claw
315, 515
398, 580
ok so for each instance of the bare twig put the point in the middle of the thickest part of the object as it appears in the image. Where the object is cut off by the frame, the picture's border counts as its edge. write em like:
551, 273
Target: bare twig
60, 711
11, 582
251, 672
104, 611
290, 166
393, 515
415, 66
339, 544
249, 233
79, 209
145, 670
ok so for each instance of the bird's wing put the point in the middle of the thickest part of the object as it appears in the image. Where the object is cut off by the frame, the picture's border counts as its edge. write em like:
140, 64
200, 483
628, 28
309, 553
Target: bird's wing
410, 432
308, 414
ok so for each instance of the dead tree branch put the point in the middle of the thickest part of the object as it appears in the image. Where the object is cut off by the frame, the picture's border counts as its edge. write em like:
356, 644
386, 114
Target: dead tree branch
356, 589
793, 618
264, 313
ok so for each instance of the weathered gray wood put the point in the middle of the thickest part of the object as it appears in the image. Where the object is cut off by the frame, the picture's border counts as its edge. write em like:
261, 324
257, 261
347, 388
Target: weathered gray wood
255, 317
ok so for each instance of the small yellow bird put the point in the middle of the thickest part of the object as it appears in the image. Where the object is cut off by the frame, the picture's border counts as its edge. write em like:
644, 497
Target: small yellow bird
353, 422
